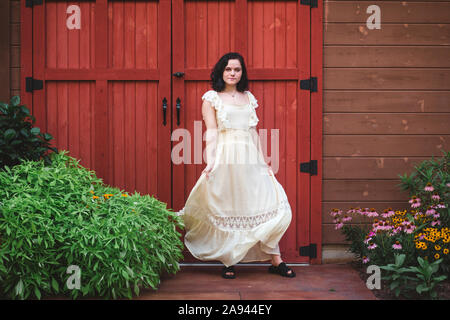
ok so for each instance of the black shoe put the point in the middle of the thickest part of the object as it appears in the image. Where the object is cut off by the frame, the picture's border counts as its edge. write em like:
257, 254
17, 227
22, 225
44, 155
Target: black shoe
228, 269
282, 270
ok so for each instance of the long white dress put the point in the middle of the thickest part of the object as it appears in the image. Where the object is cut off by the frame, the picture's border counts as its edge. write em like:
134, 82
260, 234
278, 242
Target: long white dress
239, 213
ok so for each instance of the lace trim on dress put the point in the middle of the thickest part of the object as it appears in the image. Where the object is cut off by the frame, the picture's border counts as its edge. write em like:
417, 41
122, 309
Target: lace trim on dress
247, 222
239, 223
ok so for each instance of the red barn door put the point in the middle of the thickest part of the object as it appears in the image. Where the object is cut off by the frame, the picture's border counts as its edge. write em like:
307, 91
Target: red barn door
105, 69
273, 37
119, 77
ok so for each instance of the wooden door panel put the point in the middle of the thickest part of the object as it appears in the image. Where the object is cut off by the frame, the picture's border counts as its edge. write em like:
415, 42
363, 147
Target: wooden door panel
272, 38
104, 82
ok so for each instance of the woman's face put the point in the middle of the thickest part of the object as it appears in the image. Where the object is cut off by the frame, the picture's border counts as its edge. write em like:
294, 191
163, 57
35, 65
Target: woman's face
233, 72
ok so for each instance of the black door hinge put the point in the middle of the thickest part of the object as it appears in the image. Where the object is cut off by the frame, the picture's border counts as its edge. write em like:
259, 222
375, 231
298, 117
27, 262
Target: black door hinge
31, 3
310, 167
309, 251
33, 84
309, 84
312, 3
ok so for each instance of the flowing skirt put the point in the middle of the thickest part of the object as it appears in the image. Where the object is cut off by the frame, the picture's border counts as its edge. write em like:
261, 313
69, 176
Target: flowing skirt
239, 213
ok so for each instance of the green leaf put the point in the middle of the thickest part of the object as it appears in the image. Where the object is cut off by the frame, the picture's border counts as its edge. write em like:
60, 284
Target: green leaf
19, 288
37, 293
35, 131
55, 285
15, 101
9, 134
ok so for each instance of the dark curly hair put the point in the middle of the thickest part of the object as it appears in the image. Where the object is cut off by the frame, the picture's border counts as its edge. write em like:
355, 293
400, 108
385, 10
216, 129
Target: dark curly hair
217, 73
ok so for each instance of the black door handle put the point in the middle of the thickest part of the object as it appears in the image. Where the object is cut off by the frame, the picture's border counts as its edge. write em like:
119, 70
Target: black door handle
178, 110
164, 110
178, 74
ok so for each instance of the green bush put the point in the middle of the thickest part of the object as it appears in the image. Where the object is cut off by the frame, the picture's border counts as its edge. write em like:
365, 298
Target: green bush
434, 173
19, 140
52, 217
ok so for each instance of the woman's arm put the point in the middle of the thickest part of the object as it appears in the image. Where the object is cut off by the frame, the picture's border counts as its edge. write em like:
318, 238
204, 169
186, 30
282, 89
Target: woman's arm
209, 116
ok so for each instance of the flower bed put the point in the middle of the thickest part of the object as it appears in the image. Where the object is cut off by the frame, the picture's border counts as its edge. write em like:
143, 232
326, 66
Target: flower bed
410, 246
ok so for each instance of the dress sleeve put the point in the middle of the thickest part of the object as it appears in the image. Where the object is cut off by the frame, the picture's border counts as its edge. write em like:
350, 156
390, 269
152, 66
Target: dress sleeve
211, 97
216, 102
253, 121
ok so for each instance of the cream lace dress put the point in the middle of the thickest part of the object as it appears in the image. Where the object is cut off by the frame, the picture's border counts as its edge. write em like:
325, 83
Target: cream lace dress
241, 212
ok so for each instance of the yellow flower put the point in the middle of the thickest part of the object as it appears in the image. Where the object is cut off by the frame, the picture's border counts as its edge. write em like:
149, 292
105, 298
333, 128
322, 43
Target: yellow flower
437, 256
91, 192
437, 247
94, 197
445, 251
124, 195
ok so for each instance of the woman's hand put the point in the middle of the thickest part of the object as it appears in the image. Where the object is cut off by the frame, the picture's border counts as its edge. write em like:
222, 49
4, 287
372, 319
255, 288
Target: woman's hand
208, 169
269, 169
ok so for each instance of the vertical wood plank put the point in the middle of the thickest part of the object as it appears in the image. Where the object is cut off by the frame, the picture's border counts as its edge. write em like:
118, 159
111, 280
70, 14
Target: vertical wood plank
303, 120
316, 129
102, 165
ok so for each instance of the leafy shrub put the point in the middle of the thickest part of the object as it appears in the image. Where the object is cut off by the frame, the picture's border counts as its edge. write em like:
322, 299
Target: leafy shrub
19, 140
424, 281
430, 176
52, 217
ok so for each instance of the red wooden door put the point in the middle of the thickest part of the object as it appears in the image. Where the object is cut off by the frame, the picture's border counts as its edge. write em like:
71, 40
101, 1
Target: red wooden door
108, 76
274, 38
105, 69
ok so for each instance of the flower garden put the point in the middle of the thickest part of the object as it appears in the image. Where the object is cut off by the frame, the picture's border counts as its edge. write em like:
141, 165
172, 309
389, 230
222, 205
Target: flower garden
411, 246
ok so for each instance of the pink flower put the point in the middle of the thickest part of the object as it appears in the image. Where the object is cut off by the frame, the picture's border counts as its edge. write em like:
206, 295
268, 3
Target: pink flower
430, 211
372, 246
372, 213
397, 245
365, 259
441, 205
429, 187
339, 225
435, 222
388, 213
435, 197
395, 231
335, 212
414, 199
346, 218
415, 203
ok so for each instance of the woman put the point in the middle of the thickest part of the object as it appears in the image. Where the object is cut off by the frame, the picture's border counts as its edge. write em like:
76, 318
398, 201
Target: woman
237, 211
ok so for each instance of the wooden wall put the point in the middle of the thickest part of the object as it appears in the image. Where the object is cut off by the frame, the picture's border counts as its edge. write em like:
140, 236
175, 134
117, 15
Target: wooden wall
4, 50
386, 100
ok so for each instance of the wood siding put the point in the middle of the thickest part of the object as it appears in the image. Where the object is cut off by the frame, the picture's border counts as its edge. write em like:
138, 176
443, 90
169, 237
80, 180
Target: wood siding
386, 101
